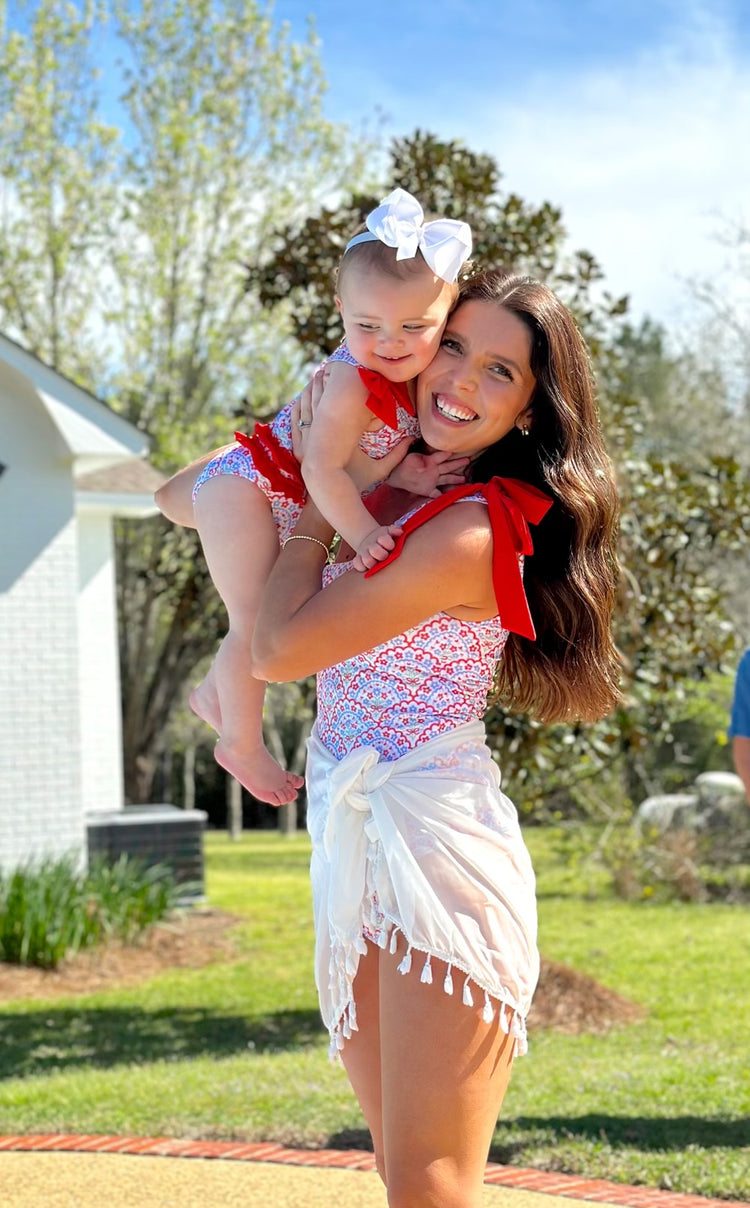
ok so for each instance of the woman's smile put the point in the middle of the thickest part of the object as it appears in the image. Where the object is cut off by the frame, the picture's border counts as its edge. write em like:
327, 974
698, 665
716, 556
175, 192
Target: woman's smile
453, 410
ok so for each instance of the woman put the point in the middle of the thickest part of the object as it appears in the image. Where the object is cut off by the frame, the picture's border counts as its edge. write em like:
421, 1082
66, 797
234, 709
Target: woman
417, 855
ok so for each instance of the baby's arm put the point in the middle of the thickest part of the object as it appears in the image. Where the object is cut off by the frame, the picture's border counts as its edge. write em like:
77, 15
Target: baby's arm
341, 417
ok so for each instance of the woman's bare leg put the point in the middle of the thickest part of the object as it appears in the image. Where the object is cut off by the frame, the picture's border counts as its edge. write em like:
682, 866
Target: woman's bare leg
430, 1076
240, 542
361, 1054
444, 1076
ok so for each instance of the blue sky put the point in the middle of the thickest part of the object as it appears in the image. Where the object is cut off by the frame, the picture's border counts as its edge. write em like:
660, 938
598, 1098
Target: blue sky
634, 117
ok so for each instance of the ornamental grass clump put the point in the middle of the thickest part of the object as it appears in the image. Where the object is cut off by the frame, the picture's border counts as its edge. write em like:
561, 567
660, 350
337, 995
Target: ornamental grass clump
51, 908
129, 896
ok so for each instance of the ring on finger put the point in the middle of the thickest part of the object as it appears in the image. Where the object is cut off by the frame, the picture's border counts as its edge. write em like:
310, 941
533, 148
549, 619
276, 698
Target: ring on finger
304, 423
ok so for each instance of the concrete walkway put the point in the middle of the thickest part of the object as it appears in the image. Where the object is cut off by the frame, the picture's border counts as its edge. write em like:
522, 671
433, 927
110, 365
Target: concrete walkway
121, 1172
72, 1180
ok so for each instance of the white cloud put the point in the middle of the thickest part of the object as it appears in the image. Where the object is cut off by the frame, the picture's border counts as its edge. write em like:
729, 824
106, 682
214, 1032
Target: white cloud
644, 159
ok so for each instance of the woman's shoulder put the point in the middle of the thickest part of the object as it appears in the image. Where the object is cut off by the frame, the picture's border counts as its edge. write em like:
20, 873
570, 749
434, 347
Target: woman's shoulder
442, 561
465, 509
461, 527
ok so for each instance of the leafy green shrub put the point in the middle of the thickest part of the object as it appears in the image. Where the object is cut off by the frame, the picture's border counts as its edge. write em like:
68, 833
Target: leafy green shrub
689, 865
128, 896
648, 864
51, 908
695, 740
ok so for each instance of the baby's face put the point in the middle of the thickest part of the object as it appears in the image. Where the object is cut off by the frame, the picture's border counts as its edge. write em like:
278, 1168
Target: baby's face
394, 326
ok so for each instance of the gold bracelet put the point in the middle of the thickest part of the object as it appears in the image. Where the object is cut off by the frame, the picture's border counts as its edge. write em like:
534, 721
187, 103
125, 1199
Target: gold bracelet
304, 537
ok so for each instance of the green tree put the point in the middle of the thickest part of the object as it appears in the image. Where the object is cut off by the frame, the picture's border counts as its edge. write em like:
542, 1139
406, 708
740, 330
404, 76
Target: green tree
214, 162
724, 321
682, 393
721, 332
57, 179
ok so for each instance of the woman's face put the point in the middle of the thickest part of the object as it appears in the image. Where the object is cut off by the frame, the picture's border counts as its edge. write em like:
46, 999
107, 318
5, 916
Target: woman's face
479, 384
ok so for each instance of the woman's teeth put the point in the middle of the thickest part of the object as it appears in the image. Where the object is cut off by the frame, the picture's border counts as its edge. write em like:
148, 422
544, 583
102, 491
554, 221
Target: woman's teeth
453, 410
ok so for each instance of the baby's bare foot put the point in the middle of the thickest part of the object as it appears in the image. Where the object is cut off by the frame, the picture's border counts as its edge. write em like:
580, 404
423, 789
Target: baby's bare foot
204, 701
259, 772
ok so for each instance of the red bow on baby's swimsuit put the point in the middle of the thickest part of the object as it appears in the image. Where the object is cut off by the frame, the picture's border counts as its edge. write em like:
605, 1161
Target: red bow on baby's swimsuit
275, 462
386, 397
279, 465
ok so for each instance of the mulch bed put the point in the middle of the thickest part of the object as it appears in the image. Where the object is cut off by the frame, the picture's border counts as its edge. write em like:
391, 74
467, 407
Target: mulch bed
565, 1001
571, 1002
189, 940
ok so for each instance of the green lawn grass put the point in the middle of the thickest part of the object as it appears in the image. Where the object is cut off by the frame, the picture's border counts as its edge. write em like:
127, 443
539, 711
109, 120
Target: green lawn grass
236, 1050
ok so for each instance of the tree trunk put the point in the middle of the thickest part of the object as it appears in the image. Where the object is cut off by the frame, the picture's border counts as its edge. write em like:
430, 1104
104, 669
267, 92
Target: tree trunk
288, 819
188, 778
234, 808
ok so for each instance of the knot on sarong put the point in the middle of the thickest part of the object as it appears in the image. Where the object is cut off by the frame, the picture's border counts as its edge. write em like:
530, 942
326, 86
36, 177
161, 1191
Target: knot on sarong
351, 784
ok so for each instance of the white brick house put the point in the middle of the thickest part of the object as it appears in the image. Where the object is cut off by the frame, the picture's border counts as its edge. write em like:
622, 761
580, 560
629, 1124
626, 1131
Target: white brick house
69, 465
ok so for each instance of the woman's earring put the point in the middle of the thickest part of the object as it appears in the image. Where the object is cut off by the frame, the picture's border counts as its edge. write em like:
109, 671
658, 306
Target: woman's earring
525, 429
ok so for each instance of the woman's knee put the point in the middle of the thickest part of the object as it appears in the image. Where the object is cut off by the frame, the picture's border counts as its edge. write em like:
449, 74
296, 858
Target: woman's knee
431, 1185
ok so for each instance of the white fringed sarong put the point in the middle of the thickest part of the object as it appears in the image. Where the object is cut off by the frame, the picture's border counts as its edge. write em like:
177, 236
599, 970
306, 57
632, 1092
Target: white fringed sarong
439, 845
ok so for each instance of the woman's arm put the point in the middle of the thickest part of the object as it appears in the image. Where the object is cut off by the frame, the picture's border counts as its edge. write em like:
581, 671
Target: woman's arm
741, 754
445, 566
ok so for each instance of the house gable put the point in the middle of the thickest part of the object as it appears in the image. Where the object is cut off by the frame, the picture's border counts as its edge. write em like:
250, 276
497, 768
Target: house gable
93, 434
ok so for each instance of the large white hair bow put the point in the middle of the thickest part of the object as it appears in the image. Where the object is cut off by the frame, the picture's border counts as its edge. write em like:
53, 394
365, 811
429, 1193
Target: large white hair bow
399, 222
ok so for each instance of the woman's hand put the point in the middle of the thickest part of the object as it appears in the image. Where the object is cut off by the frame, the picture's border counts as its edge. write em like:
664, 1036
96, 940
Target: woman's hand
365, 472
303, 411
429, 473
425, 474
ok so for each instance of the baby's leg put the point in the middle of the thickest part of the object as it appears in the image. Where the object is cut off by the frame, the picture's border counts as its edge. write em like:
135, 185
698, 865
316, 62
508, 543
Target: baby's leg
241, 544
204, 700
174, 498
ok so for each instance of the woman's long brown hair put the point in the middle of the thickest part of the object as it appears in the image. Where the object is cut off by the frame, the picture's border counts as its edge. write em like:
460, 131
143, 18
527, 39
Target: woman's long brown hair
571, 670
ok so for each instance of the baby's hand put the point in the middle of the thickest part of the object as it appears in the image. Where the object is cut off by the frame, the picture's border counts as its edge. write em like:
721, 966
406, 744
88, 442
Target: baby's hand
376, 546
429, 473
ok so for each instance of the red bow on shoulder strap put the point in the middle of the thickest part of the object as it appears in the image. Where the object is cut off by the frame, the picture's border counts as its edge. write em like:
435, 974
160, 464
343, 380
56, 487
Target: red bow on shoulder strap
275, 462
513, 505
386, 397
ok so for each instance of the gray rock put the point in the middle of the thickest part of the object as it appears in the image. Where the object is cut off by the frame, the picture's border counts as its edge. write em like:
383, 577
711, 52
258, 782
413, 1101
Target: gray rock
722, 789
668, 811
717, 802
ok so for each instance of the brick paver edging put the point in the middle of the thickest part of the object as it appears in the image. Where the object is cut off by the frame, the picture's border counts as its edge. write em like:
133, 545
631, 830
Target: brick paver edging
520, 1177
